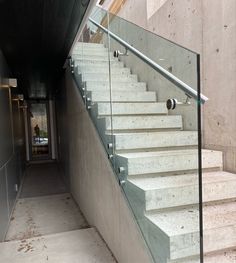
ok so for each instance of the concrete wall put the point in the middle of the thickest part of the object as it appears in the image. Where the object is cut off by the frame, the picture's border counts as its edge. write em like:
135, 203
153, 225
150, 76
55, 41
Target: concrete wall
208, 28
11, 149
219, 59
92, 181
181, 62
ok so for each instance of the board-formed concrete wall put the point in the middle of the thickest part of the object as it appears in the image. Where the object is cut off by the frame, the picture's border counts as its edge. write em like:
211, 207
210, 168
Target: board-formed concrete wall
219, 76
208, 28
92, 182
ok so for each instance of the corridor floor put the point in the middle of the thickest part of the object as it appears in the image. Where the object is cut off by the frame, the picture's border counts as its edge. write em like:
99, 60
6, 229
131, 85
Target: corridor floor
47, 225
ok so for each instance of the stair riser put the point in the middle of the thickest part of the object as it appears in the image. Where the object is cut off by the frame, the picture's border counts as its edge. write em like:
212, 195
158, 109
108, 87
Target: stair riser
99, 52
185, 245
104, 70
130, 109
105, 77
122, 96
116, 88
93, 57
89, 46
158, 140
144, 122
214, 240
106, 85
188, 195
97, 63
195, 259
173, 163
114, 75
220, 239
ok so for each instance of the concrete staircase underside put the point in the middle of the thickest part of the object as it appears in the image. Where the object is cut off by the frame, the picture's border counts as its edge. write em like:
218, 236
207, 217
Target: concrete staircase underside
160, 160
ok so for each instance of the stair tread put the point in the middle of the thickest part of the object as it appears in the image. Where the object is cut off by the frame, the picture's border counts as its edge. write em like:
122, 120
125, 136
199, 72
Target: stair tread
186, 220
162, 153
144, 122
156, 139
88, 44
150, 133
104, 70
119, 96
128, 93
116, 82
153, 132
131, 108
154, 183
91, 57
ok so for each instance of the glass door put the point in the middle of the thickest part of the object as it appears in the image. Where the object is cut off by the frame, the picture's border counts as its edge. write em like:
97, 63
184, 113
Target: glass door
39, 131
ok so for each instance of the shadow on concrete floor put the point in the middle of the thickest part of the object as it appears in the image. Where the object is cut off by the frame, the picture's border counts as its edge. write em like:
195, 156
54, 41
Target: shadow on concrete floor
42, 179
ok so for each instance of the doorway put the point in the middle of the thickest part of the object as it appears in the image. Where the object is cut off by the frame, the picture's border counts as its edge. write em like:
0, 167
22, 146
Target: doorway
39, 131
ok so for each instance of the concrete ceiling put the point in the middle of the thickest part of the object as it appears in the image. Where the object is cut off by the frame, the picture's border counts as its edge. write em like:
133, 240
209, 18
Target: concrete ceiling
35, 37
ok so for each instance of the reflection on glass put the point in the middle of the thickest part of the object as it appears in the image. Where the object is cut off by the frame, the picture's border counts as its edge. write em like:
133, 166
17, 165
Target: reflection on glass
39, 129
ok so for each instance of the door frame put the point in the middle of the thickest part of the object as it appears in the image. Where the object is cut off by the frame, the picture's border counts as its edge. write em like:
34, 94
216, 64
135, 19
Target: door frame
49, 155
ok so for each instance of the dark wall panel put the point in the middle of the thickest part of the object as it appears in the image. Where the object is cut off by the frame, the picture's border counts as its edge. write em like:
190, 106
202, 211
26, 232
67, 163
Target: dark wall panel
3, 204
6, 143
36, 37
11, 147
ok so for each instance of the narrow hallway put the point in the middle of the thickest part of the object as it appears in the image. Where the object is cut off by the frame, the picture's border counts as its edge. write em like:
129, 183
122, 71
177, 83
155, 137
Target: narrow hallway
47, 225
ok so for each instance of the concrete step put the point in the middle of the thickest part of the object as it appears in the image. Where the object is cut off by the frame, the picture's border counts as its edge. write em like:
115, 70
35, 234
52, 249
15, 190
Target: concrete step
124, 87
115, 85
228, 256
103, 70
104, 77
195, 259
97, 63
119, 96
135, 108
131, 123
89, 45
181, 190
180, 229
83, 245
167, 161
89, 51
97, 57
148, 140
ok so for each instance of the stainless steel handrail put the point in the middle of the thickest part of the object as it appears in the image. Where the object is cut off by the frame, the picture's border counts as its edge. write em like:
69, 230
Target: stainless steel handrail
179, 83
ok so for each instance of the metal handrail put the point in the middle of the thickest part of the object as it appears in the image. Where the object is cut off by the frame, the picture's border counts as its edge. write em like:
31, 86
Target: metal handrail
179, 83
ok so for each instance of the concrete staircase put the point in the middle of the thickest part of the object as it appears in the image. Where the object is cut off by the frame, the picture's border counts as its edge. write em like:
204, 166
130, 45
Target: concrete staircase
159, 162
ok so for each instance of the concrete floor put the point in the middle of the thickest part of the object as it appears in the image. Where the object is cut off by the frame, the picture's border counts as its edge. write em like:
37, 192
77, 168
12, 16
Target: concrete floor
44, 215
42, 179
48, 226
80, 246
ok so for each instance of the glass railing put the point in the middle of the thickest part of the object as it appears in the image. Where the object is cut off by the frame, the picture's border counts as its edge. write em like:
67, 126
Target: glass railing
154, 151
92, 63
